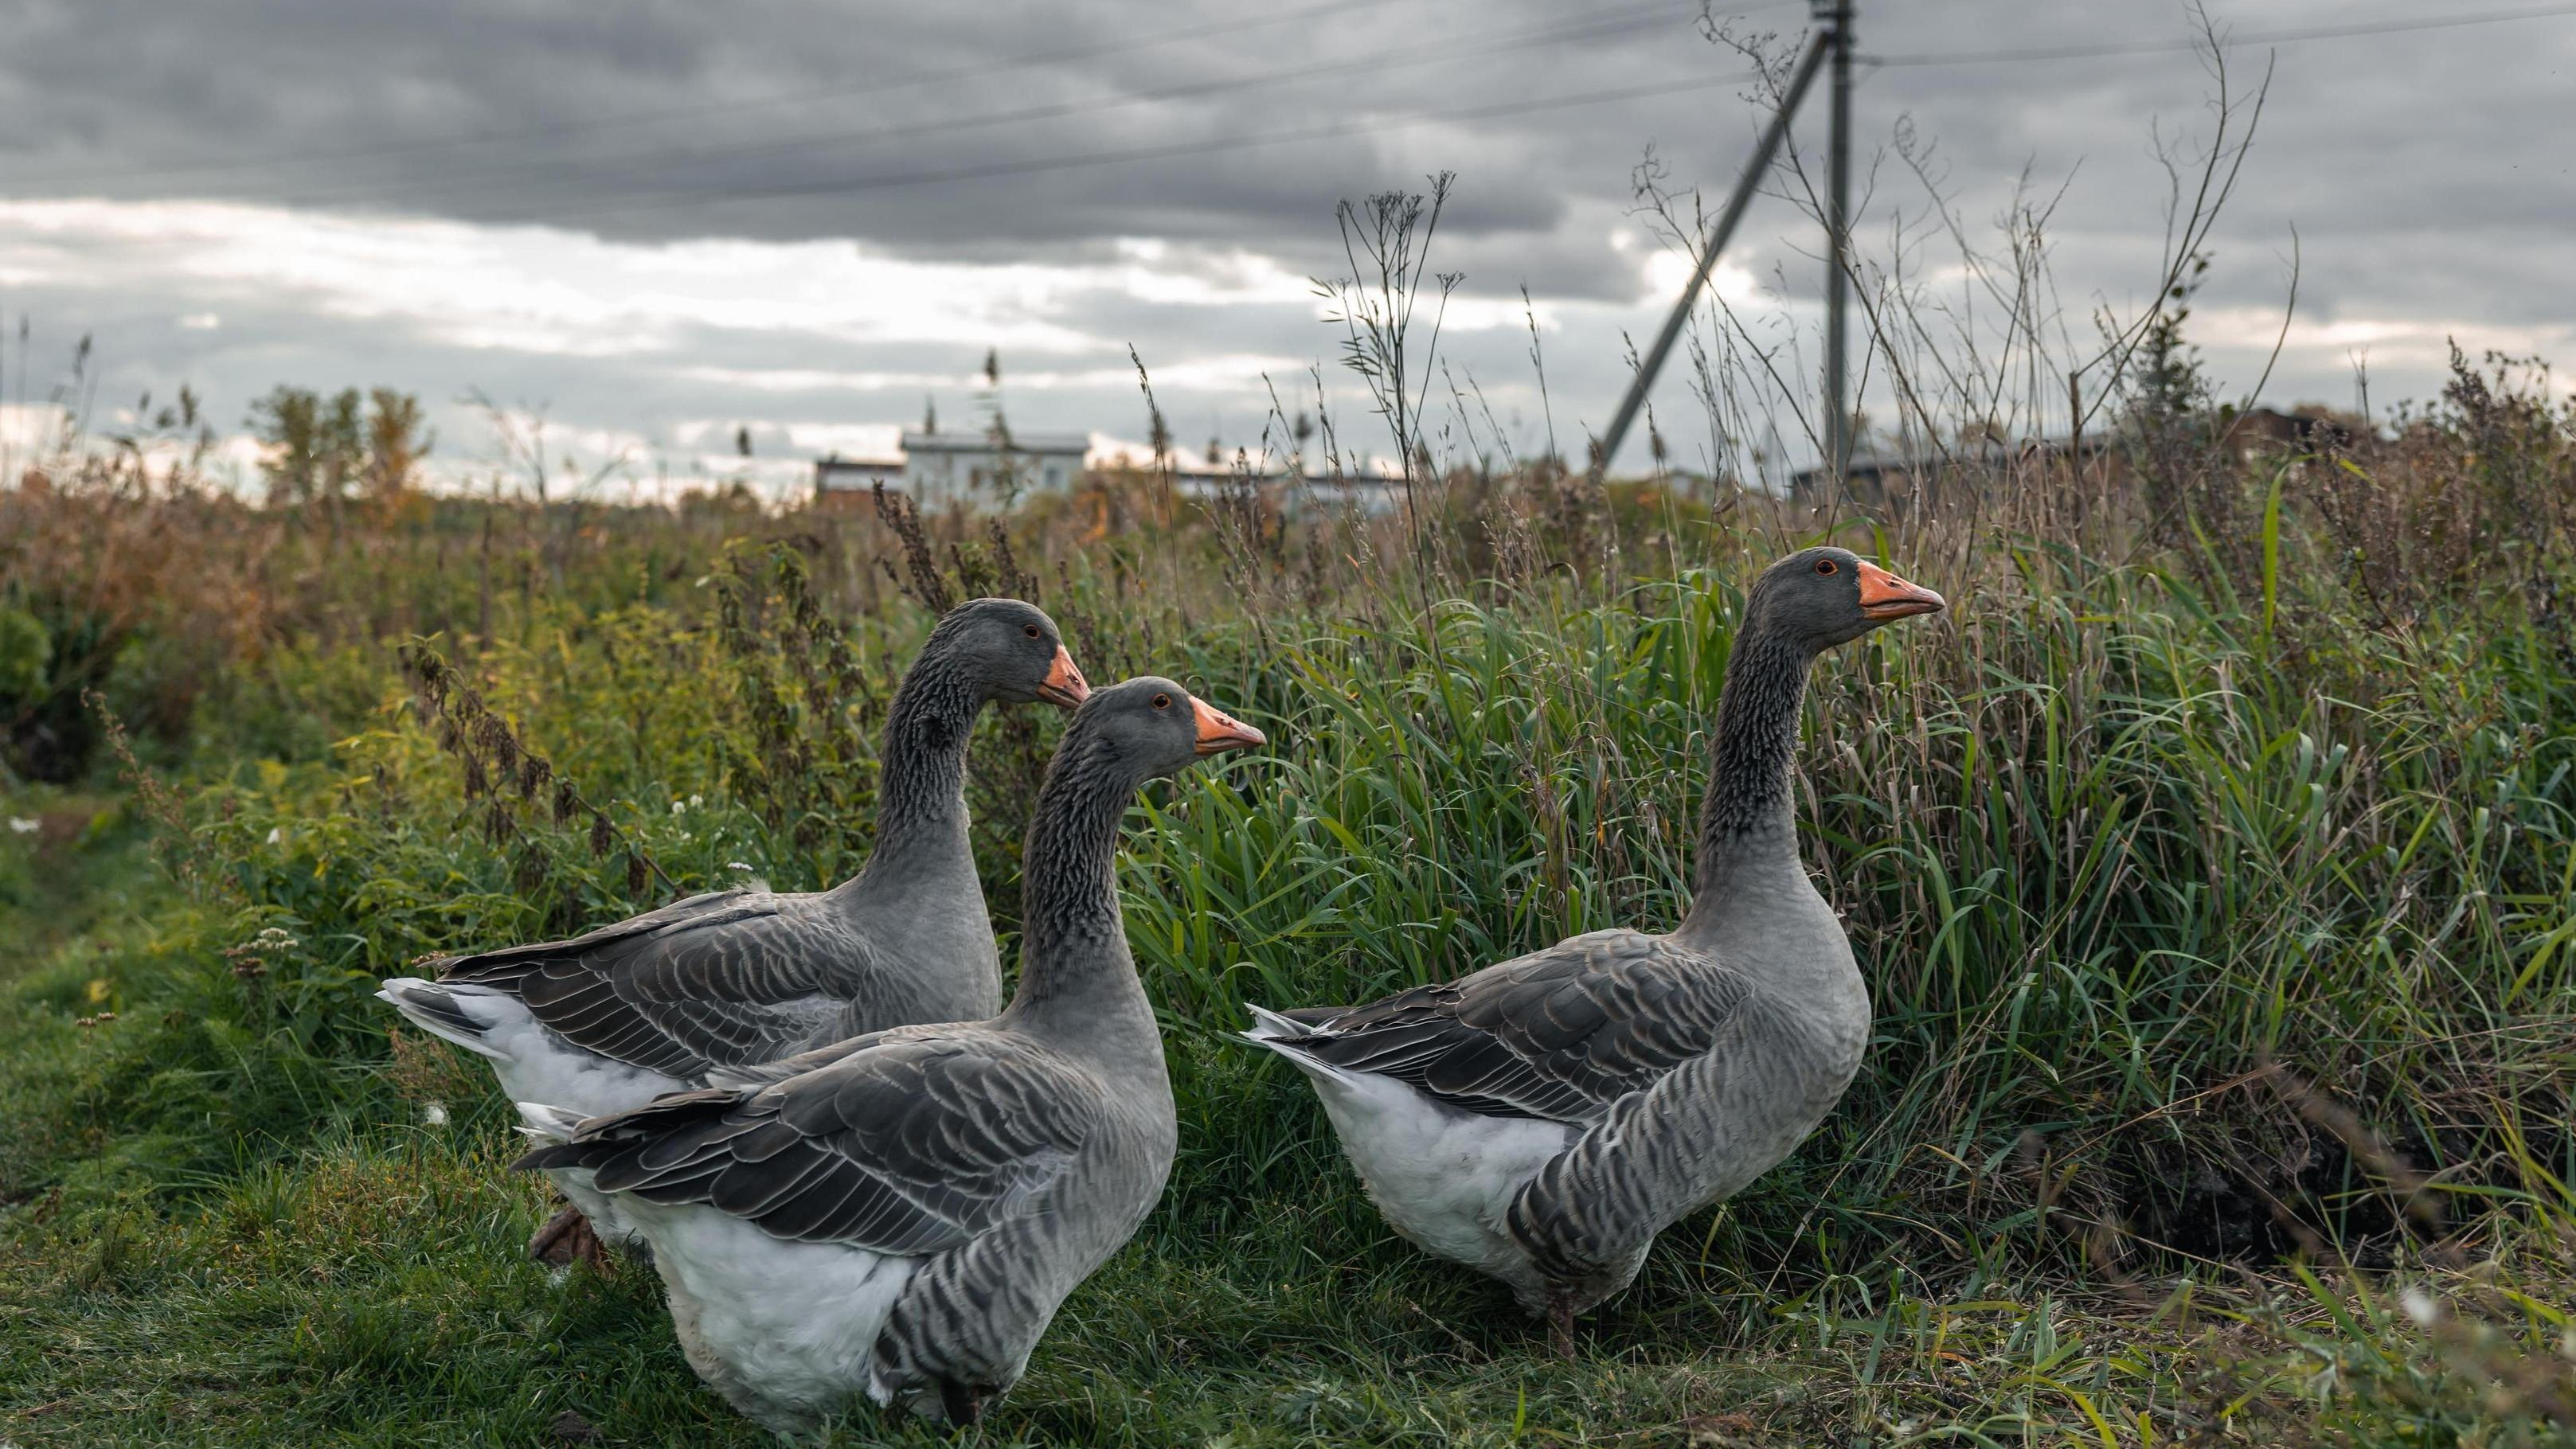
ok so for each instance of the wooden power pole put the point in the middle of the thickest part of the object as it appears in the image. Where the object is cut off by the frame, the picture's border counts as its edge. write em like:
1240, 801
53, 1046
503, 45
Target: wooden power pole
1831, 41
1838, 406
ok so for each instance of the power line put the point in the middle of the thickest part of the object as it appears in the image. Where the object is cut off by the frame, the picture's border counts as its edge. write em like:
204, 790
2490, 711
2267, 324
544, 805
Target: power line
891, 180
2260, 37
546, 176
769, 102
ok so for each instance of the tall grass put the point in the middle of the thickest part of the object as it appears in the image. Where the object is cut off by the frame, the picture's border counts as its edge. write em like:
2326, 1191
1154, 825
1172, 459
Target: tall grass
2135, 882
2212, 864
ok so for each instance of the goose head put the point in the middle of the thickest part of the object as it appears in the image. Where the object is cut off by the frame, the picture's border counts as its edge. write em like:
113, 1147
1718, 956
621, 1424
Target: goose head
1149, 726
1821, 597
1013, 650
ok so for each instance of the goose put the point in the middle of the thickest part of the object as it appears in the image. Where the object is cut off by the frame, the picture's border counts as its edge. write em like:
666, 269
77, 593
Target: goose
899, 1215
1542, 1119
649, 1005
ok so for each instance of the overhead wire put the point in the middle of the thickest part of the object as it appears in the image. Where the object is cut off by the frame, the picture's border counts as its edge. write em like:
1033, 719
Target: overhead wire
2224, 39
669, 198
1375, 124
1041, 165
542, 175
875, 85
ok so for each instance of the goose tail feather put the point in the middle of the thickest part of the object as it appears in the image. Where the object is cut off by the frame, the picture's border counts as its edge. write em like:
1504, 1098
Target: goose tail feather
548, 1124
1286, 1036
442, 1011
1270, 1026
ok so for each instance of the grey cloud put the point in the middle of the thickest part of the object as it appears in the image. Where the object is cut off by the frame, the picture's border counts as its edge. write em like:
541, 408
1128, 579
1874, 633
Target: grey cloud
2424, 173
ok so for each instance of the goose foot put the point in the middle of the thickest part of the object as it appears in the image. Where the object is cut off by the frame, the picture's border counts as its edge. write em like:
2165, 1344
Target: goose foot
567, 1237
1560, 1325
964, 1404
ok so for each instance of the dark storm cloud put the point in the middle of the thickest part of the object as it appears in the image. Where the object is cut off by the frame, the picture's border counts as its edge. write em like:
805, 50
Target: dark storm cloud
774, 130
376, 106
2424, 174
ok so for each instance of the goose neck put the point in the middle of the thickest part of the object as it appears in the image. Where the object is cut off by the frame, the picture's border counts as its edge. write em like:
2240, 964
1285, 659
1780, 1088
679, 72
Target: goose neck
921, 789
1077, 978
1746, 818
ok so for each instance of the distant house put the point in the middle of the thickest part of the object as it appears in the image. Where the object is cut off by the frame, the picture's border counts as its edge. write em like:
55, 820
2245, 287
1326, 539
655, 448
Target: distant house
2308, 428
1936, 477
940, 469
1318, 492
1965, 471
845, 482
944, 468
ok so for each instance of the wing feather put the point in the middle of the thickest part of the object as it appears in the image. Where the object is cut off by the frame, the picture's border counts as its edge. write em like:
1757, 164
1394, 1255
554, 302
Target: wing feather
917, 1143
1559, 1034
723, 979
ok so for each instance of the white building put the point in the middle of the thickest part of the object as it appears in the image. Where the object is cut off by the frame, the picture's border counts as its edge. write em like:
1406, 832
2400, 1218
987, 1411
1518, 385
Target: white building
940, 469
944, 468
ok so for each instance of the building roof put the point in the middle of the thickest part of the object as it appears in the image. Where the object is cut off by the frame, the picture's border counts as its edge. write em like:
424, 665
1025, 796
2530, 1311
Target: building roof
914, 442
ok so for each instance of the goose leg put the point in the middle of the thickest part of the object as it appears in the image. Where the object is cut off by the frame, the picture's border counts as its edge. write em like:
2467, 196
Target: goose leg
568, 1236
964, 1404
1560, 1324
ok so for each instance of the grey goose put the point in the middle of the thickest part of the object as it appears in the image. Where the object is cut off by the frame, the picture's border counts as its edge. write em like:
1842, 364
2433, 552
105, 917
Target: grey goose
898, 1216
630, 1011
1542, 1119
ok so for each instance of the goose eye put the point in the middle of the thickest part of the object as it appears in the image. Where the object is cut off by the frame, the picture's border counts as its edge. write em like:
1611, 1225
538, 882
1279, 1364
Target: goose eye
1029, 629
1824, 566
1162, 701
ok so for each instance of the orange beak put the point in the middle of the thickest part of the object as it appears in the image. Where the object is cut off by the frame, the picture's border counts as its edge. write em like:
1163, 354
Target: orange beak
1885, 596
1064, 683
1219, 731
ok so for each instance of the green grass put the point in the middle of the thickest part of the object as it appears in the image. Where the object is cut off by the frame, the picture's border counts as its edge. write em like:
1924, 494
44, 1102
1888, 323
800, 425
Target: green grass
2156, 887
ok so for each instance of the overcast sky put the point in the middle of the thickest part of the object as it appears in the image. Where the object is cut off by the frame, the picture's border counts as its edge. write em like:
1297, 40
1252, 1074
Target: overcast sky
661, 221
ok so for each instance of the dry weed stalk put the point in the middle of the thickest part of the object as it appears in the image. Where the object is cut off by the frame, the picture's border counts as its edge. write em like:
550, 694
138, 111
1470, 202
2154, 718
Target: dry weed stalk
499, 766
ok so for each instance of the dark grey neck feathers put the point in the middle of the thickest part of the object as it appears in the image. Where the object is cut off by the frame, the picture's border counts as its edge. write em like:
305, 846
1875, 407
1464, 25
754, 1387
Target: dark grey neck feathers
923, 787
1074, 967
1746, 811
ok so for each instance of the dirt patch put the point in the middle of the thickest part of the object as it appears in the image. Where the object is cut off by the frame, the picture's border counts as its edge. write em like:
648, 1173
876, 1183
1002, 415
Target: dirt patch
62, 826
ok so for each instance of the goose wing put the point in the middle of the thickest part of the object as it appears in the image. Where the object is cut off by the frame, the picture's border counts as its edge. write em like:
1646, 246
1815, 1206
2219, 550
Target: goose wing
726, 977
1558, 1035
915, 1145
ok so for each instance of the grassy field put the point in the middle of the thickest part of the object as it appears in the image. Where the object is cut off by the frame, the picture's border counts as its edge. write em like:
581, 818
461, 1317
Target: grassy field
2215, 882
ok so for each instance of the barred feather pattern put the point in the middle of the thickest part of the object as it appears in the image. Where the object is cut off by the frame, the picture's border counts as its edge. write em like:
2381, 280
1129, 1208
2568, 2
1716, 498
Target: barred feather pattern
1559, 1034
1002, 1161
970, 1317
727, 977
1685, 1065
1698, 1135
736, 978
1687, 1077
1756, 744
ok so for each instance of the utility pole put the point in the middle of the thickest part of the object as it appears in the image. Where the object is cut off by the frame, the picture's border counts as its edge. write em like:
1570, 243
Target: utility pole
1736, 202
1832, 41
1838, 411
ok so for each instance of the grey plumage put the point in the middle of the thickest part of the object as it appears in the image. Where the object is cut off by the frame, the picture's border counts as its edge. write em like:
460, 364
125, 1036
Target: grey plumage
1544, 1118
945, 1186
1561, 1034
730, 976
607, 1019
876, 1156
